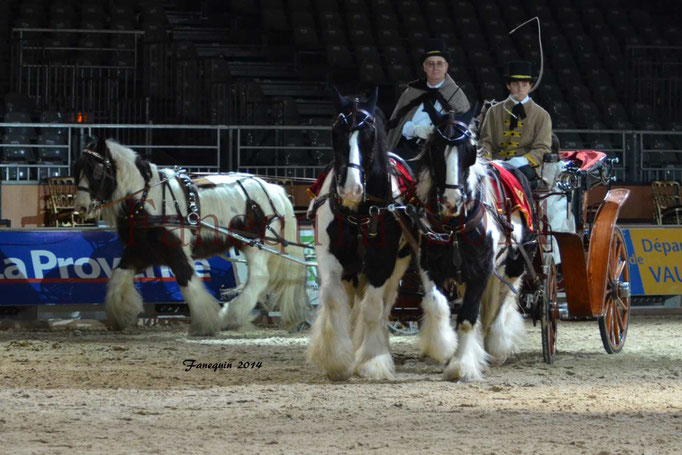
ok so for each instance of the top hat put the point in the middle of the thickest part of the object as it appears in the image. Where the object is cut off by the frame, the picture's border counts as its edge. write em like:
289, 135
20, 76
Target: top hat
435, 48
519, 71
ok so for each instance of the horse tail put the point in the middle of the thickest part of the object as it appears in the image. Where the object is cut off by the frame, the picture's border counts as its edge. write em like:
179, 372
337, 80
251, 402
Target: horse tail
288, 278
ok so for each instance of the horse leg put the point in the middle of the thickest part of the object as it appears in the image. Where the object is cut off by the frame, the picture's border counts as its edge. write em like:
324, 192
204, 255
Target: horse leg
470, 358
123, 302
330, 345
236, 313
437, 339
203, 307
373, 357
392, 288
357, 329
507, 332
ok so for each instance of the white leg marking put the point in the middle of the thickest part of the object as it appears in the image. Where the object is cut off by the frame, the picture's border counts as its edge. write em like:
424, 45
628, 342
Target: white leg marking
203, 308
236, 313
470, 358
123, 303
373, 357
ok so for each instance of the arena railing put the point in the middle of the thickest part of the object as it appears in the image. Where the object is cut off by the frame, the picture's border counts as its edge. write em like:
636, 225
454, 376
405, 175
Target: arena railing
289, 151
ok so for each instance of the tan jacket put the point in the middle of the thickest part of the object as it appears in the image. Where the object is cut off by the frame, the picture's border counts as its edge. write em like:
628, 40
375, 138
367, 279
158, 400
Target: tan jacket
532, 138
450, 91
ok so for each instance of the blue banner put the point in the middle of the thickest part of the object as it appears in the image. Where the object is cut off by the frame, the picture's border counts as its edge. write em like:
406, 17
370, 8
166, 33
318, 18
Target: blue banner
73, 266
654, 259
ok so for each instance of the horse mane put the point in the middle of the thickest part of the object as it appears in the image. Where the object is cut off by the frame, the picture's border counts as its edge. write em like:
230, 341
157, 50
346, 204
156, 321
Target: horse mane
128, 176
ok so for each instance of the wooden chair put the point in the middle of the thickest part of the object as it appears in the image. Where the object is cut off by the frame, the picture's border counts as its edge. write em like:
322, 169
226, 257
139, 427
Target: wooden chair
667, 203
61, 200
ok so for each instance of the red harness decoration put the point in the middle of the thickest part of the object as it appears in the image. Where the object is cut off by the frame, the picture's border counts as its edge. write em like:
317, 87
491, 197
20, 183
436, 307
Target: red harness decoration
584, 158
314, 189
511, 189
406, 183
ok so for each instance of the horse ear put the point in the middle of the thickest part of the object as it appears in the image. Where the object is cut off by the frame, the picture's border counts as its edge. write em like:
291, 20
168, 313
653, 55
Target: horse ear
372, 101
340, 101
430, 108
468, 115
101, 146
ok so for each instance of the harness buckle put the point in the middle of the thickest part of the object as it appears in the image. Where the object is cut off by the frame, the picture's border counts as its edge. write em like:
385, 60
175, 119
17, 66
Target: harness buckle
193, 218
373, 210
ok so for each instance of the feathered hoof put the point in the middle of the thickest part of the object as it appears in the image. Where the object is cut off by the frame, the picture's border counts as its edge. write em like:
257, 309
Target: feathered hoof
439, 346
459, 371
335, 361
120, 321
339, 375
497, 360
204, 331
379, 367
231, 320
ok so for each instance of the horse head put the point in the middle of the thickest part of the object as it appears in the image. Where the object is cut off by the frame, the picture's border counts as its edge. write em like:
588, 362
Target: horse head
449, 153
357, 140
95, 175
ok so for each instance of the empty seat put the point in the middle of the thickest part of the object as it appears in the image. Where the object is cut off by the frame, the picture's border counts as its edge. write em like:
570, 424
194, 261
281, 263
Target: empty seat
396, 55
331, 27
587, 113
571, 141
322, 6
300, 6
440, 24
616, 117
415, 23
435, 8
339, 56
355, 6
397, 72
273, 16
371, 73
305, 34
388, 36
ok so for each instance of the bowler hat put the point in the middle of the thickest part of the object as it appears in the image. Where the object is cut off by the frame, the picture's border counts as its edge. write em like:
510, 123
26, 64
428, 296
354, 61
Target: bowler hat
519, 71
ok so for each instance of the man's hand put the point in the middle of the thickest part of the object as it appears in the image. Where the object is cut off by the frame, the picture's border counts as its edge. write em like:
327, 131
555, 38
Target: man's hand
518, 161
423, 131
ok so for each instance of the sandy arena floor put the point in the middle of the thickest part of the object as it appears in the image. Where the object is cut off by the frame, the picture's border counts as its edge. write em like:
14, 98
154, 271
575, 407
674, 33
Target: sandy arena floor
88, 391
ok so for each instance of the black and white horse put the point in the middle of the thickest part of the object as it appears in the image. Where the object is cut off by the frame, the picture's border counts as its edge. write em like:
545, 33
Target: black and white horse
361, 253
467, 243
164, 218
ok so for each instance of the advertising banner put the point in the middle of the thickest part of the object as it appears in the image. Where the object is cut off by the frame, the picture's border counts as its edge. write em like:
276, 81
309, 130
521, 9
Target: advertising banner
655, 260
73, 266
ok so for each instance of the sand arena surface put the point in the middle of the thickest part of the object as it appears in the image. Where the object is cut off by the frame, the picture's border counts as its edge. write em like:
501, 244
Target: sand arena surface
92, 392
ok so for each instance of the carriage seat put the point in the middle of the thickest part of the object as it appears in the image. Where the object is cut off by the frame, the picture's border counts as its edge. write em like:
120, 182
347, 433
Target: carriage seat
509, 189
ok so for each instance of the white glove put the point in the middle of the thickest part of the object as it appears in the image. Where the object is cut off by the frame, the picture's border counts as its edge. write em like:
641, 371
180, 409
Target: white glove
518, 161
423, 131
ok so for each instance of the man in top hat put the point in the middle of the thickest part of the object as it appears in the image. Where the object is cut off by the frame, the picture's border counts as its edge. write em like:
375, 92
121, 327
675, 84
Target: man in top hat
411, 123
517, 129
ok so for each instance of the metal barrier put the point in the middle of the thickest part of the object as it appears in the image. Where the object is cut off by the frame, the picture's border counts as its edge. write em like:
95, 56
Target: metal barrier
89, 73
293, 151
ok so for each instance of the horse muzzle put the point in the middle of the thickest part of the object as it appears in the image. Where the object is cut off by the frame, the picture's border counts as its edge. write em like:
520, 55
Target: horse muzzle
350, 197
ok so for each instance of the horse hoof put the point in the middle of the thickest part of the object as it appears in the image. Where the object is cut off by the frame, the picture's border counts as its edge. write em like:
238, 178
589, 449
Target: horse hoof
339, 376
457, 371
379, 367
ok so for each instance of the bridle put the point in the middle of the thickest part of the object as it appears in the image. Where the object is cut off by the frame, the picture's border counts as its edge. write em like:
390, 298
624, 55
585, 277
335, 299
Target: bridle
99, 201
356, 120
107, 174
464, 134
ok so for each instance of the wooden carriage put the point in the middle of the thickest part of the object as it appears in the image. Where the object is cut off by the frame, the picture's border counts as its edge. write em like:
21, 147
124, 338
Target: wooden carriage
596, 277
594, 265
